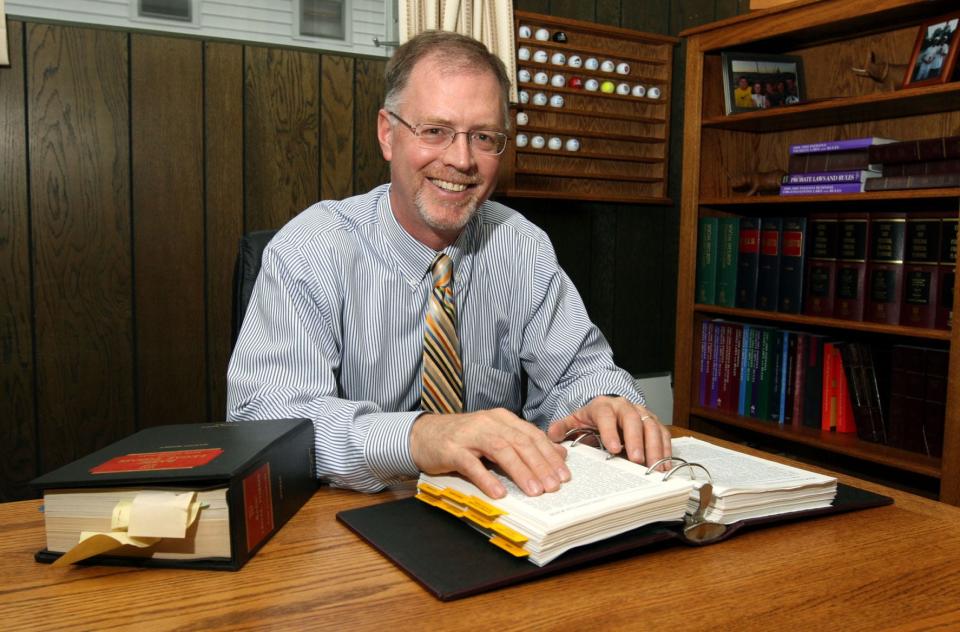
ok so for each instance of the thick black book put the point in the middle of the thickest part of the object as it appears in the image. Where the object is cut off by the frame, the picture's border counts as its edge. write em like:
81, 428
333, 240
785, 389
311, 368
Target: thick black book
924, 149
748, 262
792, 255
450, 561
250, 478
768, 271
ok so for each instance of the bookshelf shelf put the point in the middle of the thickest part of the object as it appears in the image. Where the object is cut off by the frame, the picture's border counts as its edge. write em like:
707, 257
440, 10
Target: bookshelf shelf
822, 323
830, 36
838, 443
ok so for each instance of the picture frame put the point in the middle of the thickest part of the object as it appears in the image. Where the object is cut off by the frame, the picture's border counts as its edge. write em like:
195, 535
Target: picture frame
934, 52
772, 80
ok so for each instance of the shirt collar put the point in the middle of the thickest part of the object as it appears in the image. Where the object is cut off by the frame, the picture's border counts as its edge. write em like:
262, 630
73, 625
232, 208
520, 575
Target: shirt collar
413, 258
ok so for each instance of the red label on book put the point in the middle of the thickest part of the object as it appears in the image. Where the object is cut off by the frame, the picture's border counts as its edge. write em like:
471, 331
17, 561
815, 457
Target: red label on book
750, 240
769, 242
154, 461
258, 506
792, 243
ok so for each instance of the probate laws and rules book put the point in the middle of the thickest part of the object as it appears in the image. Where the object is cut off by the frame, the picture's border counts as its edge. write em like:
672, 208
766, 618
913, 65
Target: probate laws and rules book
203, 495
607, 496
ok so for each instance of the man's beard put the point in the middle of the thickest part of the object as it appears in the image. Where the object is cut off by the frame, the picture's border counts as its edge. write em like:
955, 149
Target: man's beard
445, 223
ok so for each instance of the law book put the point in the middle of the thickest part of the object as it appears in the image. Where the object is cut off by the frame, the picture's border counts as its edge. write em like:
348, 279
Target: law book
838, 145
829, 188
885, 267
799, 381
940, 148
707, 260
935, 400
946, 271
920, 260
187, 495
728, 230
706, 352
792, 265
830, 404
921, 168
850, 160
926, 181
746, 368
609, 496
853, 238
918, 398
813, 382
846, 422
736, 367
861, 381
832, 177
768, 264
787, 376
821, 274
748, 262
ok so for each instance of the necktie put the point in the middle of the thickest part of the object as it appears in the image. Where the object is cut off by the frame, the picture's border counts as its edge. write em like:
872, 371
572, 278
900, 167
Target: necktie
442, 390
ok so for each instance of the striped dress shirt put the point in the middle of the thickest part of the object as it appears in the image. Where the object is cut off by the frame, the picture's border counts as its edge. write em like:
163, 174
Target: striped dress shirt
334, 333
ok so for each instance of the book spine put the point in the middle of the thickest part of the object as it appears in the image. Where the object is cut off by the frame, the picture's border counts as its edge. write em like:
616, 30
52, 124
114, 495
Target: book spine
939, 148
707, 261
853, 237
832, 161
822, 189
845, 419
715, 364
908, 386
764, 385
821, 273
935, 399
927, 167
946, 272
736, 368
706, 331
783, 379
747, 336
728, 230
927, 181
828, 418
799, 380
836, 145
831, 177
748, 262
792, 264
813, 384
726, 349
921, 256
768, 272
885, 267
871, 393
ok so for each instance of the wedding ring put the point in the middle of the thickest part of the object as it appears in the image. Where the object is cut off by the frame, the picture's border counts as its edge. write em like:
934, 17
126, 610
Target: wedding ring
645, 417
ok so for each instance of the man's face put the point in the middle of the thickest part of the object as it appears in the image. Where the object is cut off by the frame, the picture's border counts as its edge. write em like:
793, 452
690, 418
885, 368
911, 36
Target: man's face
434, 193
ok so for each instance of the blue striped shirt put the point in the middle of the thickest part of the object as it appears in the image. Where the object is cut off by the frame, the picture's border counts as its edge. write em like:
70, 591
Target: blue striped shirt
334, 333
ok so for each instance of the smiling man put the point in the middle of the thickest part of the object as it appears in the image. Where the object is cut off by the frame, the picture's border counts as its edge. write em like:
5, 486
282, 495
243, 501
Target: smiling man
423, 327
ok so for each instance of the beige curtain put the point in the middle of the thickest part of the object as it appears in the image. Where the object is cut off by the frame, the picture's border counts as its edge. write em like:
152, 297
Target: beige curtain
490, 21
4, 56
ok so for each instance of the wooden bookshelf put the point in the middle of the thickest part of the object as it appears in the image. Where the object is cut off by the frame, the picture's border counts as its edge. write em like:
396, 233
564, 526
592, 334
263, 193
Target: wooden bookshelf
624, 139
830, 36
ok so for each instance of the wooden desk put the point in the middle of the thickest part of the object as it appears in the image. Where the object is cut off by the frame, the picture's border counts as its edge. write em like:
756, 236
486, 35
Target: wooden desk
891, 567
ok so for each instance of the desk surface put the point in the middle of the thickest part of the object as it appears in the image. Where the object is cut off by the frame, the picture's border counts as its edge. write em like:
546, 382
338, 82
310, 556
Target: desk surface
895, 566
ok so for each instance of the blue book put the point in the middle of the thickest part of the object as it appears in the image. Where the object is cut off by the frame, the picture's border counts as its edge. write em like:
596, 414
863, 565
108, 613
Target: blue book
748, 331
821, 189
830, 177
838, 145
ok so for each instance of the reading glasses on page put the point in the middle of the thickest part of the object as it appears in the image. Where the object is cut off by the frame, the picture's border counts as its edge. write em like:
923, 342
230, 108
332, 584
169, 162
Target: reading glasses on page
696, 529
437, 136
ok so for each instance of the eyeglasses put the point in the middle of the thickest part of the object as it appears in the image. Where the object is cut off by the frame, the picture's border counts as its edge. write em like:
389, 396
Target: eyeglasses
436, 136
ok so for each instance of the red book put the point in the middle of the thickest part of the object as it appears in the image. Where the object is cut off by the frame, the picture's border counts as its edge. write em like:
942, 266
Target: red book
845, 419
920, 258
820, 279
888, 233
946, 272
829, 403
854, 236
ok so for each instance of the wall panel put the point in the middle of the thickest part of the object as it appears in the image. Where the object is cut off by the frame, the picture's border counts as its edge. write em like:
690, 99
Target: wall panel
79, 176
18, 446
370, 167
336, 127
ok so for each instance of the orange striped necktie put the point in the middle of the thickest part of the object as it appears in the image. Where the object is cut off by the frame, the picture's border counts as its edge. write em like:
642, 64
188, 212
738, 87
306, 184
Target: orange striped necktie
442, 390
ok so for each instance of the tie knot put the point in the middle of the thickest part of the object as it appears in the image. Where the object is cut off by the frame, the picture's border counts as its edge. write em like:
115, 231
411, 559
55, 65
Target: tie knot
442, 270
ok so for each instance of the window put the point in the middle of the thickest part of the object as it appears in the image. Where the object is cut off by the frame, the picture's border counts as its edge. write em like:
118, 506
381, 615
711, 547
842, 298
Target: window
324, 18
166, 9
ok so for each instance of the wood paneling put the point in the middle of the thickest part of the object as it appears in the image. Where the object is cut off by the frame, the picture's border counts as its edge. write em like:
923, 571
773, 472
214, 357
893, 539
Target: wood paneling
223, 146
167, 145
79, 178
370, 167
18, 446
336, 127
282, 134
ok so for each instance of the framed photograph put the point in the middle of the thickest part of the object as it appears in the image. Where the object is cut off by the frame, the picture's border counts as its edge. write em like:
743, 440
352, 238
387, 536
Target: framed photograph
755, 82
935, 52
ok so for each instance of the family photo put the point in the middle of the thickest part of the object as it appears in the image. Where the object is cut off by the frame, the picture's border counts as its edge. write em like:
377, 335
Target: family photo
931, 62
756, 82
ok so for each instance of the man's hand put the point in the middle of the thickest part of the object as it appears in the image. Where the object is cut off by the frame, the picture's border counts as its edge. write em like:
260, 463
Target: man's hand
456, 443
646, 439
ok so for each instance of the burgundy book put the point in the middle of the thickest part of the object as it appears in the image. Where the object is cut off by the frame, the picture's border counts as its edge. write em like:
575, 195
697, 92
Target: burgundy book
830, 161
927, 167
853, 237
885, 267
821, 272
799, 380
940, 148
928, 181
946, 272
920, 259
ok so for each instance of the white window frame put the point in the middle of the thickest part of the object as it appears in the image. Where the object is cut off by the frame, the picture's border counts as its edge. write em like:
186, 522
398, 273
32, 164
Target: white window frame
193, 22
347, 25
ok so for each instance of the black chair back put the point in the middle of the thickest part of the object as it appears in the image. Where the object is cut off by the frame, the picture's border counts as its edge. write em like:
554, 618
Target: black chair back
245, 272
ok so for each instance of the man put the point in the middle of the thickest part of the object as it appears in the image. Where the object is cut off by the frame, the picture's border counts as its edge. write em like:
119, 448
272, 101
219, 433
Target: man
742, 94
336, 326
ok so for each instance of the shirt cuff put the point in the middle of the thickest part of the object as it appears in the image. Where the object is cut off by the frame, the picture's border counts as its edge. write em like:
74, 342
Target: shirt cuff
388, 447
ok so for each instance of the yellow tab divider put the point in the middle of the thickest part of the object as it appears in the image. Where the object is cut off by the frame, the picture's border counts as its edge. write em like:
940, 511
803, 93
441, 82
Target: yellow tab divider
509, 547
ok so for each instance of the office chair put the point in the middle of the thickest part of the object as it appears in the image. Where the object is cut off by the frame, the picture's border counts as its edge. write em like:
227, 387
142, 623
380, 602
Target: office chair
245, 272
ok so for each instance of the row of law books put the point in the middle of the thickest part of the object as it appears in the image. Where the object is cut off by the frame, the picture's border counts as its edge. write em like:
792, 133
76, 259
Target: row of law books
889, 394
894, 268
871, 164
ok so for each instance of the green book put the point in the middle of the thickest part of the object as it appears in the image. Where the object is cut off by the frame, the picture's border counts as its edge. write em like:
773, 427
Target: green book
728, 242
707, 261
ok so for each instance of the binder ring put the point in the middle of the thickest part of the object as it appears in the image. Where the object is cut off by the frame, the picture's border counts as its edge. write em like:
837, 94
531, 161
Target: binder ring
691, 466
662, 461
583, 433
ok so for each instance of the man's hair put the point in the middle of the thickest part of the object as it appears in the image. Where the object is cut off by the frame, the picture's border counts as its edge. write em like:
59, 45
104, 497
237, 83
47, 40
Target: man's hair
456, 54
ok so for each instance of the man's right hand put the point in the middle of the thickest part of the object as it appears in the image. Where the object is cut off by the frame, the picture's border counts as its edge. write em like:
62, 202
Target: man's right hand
440, 444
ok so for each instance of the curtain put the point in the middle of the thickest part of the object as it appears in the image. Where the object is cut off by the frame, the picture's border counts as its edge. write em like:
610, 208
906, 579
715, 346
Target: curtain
4, 56
490, 21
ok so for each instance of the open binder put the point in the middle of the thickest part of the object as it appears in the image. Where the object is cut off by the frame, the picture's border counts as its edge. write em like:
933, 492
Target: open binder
451, 560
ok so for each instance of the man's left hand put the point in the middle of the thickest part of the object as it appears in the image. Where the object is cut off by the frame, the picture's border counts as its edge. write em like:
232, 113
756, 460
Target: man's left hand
621, 424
